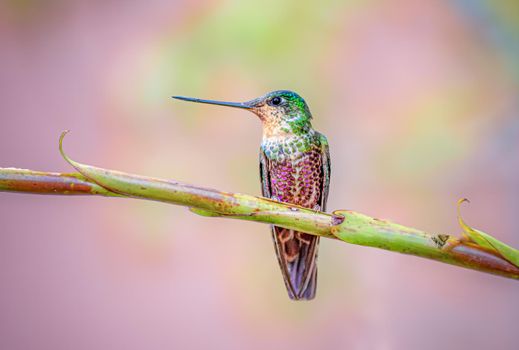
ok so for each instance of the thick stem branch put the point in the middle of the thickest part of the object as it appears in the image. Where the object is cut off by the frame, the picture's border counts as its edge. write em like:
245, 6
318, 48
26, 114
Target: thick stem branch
348, 226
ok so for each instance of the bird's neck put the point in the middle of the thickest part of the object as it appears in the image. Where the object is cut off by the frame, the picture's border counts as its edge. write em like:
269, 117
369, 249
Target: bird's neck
287, 127
281, 136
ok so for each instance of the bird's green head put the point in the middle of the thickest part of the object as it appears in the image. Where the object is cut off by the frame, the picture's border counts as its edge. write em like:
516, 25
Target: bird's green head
282, 112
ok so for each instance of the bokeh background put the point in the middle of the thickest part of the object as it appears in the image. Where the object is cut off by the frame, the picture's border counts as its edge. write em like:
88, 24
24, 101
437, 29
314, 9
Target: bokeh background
419, 100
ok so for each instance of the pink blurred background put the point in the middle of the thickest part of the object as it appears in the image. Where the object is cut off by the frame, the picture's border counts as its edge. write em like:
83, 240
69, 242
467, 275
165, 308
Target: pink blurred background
419, 100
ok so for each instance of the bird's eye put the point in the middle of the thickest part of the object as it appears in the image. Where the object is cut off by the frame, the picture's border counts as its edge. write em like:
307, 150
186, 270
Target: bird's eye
276, 101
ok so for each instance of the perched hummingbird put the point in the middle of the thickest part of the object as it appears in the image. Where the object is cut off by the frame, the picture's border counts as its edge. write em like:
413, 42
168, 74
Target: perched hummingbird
294, 168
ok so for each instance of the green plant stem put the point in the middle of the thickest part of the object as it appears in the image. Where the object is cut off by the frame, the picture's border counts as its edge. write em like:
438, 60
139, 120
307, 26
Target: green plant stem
349, 226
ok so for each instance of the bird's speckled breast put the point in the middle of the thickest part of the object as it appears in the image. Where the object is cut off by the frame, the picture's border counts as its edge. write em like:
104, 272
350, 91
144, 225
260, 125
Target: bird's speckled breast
297, 177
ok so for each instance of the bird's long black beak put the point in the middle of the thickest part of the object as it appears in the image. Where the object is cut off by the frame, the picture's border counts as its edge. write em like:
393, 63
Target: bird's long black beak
245, 105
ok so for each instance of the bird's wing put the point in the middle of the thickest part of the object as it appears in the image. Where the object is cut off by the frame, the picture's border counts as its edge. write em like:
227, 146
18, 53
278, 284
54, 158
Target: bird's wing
326, 168
309, 279
266, 191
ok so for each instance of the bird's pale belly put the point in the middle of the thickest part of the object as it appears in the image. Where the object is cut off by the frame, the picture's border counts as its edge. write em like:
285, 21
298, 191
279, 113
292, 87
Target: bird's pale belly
298, 179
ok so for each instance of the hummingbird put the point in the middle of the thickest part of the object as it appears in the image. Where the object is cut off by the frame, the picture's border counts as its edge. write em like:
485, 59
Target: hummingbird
294, 162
